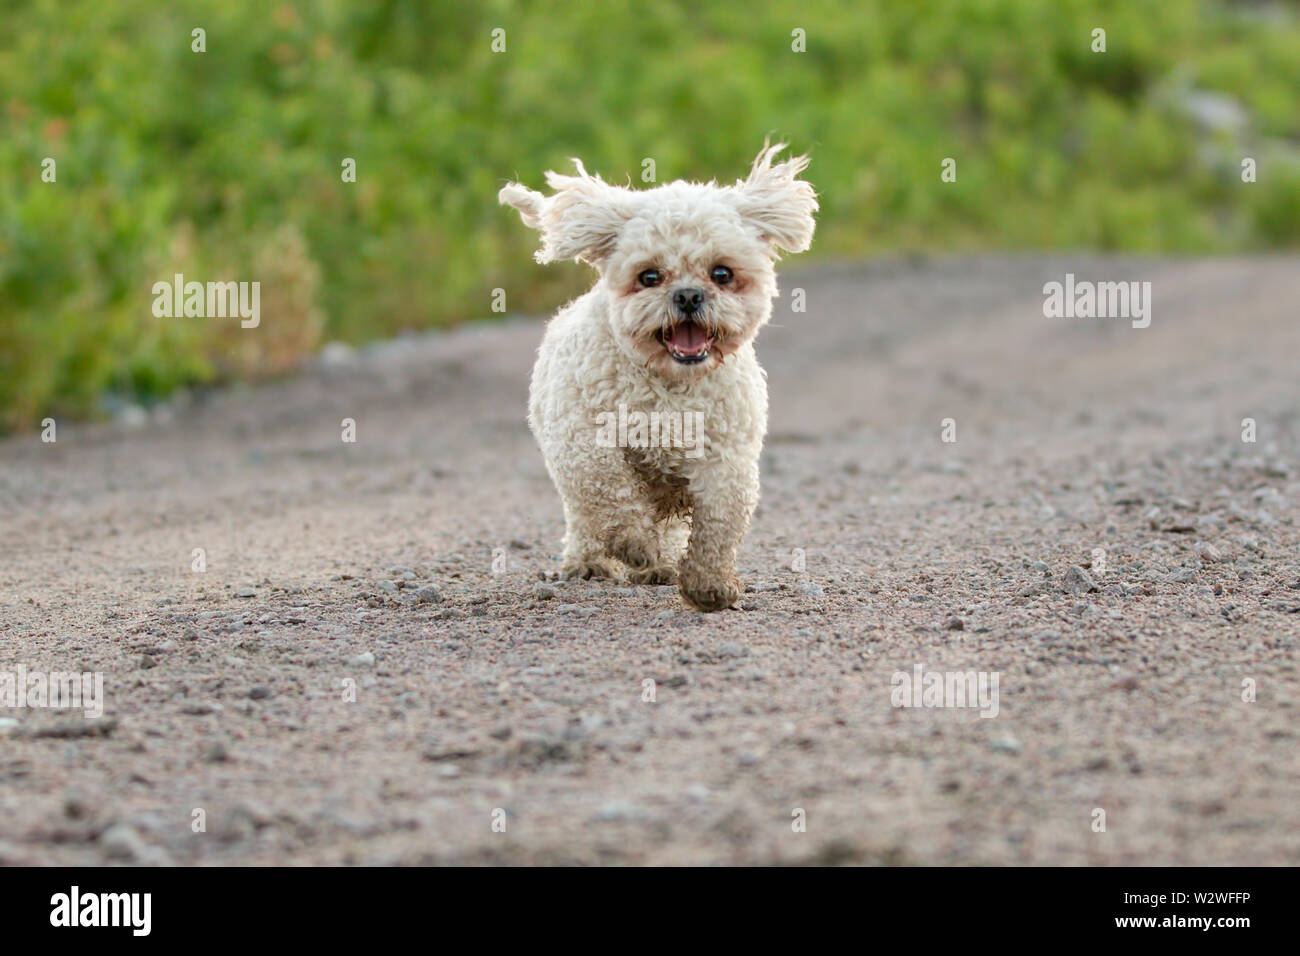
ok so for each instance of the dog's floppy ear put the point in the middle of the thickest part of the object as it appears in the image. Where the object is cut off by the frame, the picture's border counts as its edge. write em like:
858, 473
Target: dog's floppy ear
581, 220
780, 206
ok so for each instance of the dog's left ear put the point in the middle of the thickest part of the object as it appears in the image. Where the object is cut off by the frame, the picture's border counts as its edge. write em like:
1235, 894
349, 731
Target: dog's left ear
581, 220
778, 205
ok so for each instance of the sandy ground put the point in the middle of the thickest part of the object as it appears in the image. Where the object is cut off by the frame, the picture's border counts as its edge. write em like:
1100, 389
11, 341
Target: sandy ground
405, 570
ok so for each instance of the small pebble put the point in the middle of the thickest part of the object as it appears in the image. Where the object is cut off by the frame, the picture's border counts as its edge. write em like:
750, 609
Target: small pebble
1078, 581
121, 842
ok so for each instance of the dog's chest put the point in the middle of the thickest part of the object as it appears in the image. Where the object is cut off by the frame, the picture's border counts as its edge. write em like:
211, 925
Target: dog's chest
663, 480
670, 428
664, 435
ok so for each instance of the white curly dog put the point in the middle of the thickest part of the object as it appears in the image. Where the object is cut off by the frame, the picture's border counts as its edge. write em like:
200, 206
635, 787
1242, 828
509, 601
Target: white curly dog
664, 341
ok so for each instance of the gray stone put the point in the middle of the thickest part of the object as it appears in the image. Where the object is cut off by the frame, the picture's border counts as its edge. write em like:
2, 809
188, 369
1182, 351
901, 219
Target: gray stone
1078, 581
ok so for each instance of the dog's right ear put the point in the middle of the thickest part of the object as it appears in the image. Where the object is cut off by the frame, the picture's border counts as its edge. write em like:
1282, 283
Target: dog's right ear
581, 220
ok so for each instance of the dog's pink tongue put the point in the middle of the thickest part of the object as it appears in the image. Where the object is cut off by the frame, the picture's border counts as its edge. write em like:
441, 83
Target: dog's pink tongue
688, 337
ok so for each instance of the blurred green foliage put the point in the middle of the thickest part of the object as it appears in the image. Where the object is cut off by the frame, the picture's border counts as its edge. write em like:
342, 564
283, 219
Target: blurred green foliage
226, 164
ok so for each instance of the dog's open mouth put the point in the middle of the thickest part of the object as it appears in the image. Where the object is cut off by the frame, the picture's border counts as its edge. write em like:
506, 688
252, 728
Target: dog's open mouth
686, 342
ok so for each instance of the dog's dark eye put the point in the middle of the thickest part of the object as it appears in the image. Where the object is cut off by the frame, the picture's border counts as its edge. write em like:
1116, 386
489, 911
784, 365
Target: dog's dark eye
720, 275
650, 278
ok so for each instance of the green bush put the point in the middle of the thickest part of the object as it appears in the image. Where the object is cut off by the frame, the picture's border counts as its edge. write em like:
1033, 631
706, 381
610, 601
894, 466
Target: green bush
226, 164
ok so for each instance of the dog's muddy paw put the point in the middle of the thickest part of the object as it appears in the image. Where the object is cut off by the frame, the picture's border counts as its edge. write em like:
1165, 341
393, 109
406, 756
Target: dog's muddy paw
588, 568
632, 551
706, 591
663, 574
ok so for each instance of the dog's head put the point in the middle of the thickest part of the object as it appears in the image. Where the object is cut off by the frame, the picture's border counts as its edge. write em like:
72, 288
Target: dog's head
687, 267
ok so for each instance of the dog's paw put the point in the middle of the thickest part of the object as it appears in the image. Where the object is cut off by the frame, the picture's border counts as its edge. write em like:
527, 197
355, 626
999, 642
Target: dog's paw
633, 551
663, 574
710, 590
588, 568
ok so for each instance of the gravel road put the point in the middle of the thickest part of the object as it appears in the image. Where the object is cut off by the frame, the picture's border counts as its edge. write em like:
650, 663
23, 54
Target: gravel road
372, 670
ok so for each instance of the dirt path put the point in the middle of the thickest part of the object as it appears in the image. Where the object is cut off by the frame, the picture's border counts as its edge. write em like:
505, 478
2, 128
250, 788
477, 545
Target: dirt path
501, 692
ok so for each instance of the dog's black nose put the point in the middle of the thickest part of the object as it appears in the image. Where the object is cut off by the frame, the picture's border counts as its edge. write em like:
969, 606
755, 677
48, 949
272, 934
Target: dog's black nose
688, 301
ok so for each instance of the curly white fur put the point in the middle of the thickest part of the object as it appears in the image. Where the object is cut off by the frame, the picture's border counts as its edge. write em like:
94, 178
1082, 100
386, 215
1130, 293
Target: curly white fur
662, 514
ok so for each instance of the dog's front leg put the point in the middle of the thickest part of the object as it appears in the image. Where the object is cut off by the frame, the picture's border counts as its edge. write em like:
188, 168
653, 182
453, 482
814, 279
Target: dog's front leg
722, 502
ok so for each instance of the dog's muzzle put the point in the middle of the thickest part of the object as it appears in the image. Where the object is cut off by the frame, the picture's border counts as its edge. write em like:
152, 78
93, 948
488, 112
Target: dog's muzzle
687, 341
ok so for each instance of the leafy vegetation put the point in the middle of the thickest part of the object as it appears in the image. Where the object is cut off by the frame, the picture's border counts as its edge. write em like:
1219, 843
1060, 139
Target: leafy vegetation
226, 164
